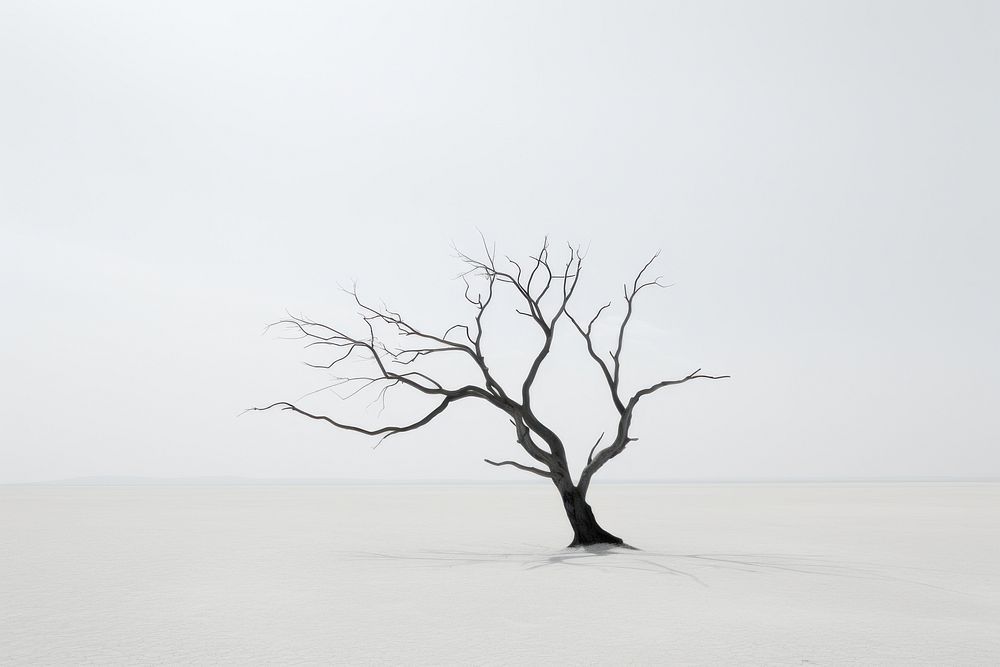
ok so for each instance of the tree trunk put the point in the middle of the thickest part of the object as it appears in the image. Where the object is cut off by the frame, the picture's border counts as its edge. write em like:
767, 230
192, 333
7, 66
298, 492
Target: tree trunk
586, 530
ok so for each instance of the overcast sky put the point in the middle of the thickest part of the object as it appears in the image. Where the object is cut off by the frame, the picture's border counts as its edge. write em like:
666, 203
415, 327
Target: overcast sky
821, 177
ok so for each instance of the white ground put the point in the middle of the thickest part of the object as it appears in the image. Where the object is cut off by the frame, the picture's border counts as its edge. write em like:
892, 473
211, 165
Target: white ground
729, 574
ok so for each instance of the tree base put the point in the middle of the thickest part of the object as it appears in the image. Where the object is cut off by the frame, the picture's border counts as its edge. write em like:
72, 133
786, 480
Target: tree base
608, 540
602, 547
586, 531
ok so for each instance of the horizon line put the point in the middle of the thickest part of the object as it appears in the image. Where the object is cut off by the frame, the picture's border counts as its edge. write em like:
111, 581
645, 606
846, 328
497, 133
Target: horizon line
234, 480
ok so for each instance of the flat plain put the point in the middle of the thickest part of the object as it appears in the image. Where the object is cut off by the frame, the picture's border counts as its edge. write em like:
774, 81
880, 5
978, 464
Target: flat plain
756, 574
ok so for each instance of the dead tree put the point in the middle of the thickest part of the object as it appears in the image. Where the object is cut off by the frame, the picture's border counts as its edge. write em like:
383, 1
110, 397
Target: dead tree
543, 291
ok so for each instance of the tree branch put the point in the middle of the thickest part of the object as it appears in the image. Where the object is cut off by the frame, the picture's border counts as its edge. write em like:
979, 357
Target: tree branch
594, 463
567, 292
590, 457
520, 466
384, 431
608, 377
612, 372
667, 383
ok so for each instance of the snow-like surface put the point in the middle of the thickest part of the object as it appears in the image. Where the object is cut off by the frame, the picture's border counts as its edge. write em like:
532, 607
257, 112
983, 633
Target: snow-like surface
834, 574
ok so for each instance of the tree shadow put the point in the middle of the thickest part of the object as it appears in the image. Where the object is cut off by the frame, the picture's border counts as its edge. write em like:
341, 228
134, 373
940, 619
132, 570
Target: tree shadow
689, 566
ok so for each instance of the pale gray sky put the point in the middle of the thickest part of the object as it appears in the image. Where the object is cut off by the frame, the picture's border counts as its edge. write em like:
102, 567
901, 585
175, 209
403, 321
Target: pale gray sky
822, 179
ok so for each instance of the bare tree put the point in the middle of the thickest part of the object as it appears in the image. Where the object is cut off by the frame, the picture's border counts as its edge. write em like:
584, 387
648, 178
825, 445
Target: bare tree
544, 291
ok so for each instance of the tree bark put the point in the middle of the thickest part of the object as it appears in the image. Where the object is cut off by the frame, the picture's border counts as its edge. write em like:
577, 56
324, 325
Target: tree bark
586, 530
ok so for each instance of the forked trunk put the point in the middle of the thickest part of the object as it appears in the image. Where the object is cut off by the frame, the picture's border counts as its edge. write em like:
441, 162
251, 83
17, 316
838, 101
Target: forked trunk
586, 530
